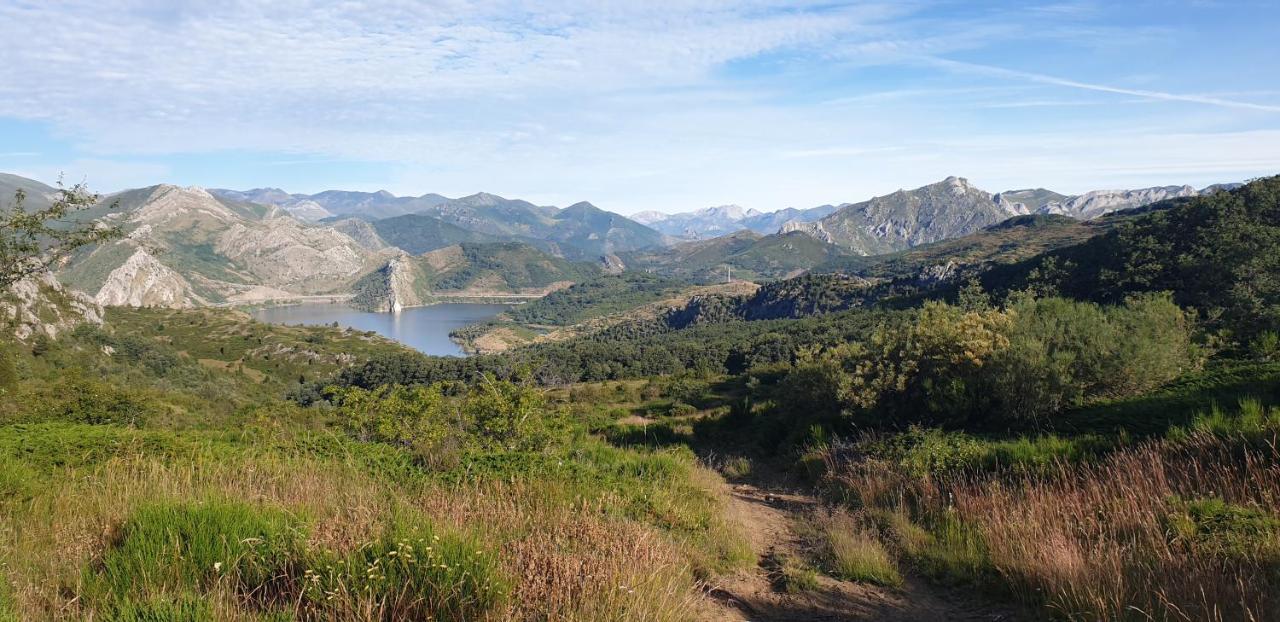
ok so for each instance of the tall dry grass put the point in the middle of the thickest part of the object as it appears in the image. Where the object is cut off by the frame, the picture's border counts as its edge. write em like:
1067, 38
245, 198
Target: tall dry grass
566, 557
1165, 530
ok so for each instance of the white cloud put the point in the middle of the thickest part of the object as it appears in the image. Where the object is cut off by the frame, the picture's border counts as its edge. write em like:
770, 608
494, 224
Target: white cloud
633, 105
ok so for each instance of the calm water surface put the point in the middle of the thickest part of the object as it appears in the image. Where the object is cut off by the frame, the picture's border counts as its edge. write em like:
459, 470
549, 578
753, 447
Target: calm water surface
425, 329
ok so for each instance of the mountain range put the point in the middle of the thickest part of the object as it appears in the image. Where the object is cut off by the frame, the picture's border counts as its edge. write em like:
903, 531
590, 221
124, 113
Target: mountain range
953, 207
925, 214
192, 247
725, 219
581, 231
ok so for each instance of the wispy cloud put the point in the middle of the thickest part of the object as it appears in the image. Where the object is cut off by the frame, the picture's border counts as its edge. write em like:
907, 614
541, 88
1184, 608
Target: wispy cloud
667, 104
1101, 88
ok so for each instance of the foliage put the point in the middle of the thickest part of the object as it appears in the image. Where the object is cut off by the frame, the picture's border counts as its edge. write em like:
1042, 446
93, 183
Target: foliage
1225, 529
1219, 254
1034, 358
1062, 353
597, 297
491, 415
167, 556
32, 241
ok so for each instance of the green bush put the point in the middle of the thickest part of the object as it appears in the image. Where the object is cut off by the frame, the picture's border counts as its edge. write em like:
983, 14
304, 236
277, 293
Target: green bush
492, 415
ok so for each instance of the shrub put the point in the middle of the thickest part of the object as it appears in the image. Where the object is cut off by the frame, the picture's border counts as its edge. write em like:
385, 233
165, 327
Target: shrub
493, 415
81, 400
788, 574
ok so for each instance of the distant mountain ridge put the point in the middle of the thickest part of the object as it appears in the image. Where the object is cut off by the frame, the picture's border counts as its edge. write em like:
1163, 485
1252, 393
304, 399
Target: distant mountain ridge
953, 208
725, 219
581, 231
185, 247
334, 203
722, 220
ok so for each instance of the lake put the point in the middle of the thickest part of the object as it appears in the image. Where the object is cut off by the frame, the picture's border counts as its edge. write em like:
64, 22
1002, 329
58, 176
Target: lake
425, 329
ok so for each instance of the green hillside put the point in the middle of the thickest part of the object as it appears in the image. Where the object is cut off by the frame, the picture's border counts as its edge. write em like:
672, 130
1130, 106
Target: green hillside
513, 265
744, 255
419, 233
603, 295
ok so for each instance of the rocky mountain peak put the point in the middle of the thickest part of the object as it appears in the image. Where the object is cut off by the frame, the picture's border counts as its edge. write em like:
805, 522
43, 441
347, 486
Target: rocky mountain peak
482, 199
730, 212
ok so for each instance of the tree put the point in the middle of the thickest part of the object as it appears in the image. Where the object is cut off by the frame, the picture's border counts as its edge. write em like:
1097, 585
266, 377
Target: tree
33, 241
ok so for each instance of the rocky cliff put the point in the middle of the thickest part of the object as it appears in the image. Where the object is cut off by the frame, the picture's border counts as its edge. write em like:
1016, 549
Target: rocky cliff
142, 281
947, 209
40, 305
186, 247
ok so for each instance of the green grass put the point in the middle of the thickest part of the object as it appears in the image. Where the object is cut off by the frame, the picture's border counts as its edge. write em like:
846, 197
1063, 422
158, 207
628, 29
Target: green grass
1228, 530
168, 556
859, 556
1225, 384
788, 574
168, 553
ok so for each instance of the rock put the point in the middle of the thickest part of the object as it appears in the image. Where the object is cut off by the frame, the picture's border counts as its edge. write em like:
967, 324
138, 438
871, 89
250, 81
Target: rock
142, 281
39, 305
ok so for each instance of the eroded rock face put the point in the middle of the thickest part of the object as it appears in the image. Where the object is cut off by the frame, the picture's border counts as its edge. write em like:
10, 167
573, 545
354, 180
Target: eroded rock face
186, 247
142, 281
283, 252
612, 264
39, 304
401, 278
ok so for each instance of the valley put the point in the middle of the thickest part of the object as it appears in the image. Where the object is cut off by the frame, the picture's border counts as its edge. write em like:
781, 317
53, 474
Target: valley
828, 435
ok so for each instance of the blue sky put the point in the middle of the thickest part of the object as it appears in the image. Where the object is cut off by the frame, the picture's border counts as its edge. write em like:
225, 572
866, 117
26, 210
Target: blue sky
666, 105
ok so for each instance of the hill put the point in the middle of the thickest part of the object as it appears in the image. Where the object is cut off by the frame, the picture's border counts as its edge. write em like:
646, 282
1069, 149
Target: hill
418, 233
726, 219
335, 204
1218, 254
581, 231
742, 255
948, 209
38, 195
185, 247
492, 270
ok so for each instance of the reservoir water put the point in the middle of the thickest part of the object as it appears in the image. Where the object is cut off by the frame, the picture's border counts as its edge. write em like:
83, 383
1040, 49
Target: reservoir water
425, 329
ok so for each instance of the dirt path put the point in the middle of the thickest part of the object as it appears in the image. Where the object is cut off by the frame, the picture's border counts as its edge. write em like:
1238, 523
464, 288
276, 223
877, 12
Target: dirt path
767, 515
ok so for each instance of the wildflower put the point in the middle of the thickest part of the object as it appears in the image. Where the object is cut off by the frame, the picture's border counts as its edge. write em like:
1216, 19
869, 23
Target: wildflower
217, 566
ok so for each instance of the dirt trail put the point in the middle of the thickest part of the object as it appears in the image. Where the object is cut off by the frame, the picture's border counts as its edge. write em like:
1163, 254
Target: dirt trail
767, 514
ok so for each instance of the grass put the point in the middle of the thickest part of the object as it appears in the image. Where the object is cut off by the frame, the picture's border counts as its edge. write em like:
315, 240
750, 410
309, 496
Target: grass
852, 550
1181, 527
139, 482
563, 531
789, 574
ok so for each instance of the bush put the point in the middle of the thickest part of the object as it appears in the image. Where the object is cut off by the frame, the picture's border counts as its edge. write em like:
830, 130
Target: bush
410, 573
1224, 529
953, 366
81, 400
1063, 353
494, 415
